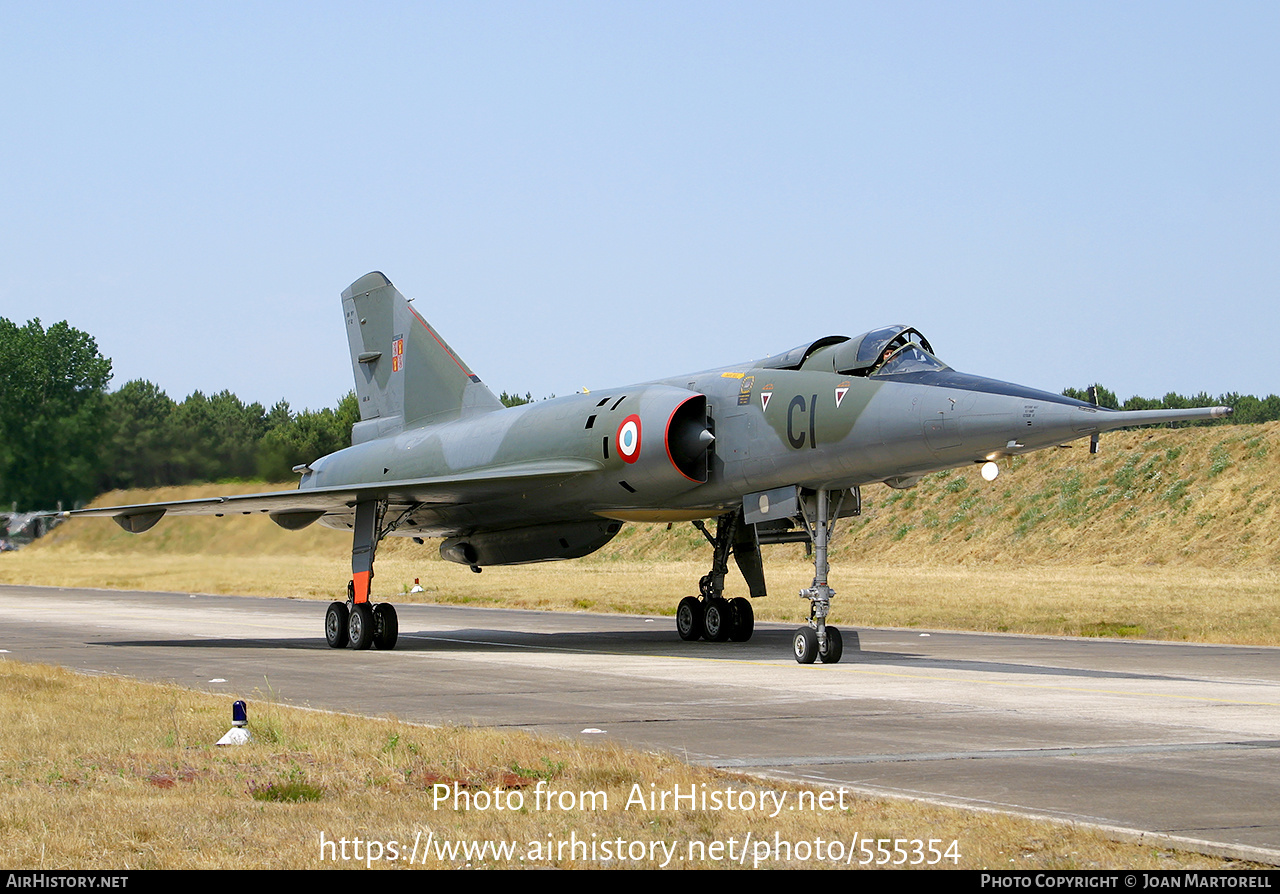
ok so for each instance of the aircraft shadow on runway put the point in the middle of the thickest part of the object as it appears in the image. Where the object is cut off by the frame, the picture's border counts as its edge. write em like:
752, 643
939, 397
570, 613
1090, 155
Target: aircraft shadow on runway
763, 646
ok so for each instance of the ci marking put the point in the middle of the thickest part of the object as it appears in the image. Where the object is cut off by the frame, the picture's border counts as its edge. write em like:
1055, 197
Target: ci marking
798, 403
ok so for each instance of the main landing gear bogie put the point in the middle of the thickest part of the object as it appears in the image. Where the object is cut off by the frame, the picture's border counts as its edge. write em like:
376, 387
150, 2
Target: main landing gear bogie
715, 620
361, 626
709, 615
359, 622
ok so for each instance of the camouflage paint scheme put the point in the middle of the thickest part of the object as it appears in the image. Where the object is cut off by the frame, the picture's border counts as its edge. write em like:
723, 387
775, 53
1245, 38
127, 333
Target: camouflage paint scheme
435, 454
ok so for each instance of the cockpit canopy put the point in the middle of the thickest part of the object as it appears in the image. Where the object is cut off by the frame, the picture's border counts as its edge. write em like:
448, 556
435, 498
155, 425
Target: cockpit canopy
891, 350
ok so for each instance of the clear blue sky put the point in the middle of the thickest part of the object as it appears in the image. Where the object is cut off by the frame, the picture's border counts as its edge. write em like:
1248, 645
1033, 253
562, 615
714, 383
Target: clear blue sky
592, 194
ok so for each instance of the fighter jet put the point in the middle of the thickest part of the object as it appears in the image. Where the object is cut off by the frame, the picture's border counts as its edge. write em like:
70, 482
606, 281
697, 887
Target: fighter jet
773, 450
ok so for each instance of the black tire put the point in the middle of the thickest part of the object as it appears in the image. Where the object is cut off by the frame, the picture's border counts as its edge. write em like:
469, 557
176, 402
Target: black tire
386, 626
689, 619
360, 626
717, 620
744, 619
835, 647
805, 645
335, 625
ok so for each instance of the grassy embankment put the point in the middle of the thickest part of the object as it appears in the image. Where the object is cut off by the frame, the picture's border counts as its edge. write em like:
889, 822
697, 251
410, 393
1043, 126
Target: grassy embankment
110, 774
1166, 534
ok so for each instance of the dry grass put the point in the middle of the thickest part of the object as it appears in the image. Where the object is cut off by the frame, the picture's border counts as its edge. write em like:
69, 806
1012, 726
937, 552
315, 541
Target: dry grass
1172, 603
103, 773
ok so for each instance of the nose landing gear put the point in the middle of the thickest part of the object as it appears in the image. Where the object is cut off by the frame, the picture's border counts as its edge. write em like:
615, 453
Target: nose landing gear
818, 641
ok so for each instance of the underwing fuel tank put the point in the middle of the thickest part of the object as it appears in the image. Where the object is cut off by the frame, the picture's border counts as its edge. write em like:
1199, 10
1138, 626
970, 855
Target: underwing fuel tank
541, 543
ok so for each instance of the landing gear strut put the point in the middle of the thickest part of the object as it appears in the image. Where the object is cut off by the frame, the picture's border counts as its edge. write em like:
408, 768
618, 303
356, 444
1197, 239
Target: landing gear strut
709, 615
818, 641
358, 622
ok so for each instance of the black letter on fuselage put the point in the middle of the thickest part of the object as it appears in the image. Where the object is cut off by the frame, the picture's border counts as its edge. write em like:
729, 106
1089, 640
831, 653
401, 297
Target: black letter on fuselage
813, 422
796, 441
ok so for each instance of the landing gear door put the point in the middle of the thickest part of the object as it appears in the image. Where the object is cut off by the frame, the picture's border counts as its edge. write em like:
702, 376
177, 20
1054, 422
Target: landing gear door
771, 505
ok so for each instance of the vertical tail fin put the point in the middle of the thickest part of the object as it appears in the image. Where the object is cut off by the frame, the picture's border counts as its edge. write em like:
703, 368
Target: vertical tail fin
405, 373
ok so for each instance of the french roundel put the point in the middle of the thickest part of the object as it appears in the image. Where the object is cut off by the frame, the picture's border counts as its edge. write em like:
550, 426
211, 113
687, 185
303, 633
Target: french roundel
629, 438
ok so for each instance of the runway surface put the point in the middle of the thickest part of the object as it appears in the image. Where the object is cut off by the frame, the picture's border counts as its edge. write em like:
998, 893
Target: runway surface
1181, 741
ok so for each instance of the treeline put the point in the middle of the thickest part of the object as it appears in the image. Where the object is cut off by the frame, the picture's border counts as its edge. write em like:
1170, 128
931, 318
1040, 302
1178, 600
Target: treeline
1246, 407
65, 438
150, 440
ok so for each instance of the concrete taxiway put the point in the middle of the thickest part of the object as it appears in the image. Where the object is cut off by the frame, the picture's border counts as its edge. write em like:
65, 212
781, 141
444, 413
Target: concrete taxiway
1181, 742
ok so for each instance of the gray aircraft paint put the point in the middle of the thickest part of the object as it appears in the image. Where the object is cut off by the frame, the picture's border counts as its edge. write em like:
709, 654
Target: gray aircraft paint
435, 454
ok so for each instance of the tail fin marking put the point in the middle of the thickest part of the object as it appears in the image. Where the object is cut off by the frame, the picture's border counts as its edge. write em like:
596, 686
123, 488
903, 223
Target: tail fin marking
406, 375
